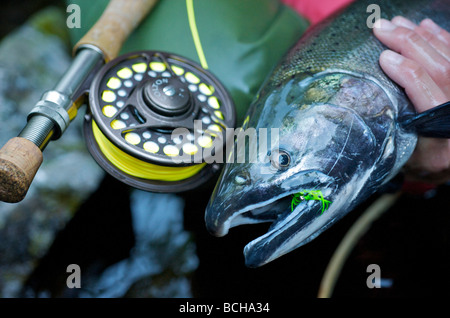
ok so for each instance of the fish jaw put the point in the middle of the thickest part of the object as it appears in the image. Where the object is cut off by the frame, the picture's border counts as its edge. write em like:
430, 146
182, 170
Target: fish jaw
298, 228
252, 205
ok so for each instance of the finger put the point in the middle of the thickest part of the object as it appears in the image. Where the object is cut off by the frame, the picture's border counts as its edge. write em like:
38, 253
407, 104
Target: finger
432, 37
421, 89
403, 22
411, 45
432, 27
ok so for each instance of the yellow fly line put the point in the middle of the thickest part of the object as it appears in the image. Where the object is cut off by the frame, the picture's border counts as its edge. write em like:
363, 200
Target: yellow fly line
195, 35
139, 168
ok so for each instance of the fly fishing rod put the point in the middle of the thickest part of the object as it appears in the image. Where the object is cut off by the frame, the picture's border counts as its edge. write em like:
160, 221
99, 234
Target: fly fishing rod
137, 102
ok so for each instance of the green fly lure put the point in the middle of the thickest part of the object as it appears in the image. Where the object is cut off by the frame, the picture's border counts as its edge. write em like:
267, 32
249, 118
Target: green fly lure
308, 195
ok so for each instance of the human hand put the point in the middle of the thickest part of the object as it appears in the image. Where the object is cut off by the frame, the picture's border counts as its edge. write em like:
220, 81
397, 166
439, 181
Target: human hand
419, 61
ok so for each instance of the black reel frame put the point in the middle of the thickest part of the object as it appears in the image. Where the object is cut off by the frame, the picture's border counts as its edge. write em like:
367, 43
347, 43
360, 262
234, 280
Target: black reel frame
128, 96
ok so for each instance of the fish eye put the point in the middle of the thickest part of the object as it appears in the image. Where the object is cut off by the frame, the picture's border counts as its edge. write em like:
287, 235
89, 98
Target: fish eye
242, 178
284, 159
280, 159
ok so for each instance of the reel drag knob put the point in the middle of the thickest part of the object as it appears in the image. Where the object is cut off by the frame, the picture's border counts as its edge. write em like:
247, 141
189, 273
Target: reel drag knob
168, 97
156, 119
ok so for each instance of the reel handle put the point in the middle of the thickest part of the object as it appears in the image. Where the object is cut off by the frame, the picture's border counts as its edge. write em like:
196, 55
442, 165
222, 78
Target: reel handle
114, 26
19, 161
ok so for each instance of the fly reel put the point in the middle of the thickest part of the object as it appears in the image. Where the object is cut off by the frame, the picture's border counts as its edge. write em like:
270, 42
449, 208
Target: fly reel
156, 120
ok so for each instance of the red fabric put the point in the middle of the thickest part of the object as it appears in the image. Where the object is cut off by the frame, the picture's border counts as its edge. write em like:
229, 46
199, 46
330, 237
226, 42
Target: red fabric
316, 10
418, 188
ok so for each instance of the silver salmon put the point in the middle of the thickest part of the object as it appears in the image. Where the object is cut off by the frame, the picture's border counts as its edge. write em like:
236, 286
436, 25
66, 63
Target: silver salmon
340, 136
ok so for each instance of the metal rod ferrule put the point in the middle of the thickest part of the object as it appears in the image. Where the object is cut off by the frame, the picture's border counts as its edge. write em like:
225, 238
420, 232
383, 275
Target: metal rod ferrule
49, 118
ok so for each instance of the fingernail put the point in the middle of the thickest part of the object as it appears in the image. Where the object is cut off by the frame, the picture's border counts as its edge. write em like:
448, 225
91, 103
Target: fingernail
392, 57
384, 25
403, 22
431, 26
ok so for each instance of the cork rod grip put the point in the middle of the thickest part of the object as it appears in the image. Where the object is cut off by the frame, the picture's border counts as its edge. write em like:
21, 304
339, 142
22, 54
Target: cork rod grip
19, 161
114, 26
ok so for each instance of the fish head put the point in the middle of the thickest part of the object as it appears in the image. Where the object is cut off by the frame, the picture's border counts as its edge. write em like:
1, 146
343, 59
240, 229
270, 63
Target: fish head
310, 166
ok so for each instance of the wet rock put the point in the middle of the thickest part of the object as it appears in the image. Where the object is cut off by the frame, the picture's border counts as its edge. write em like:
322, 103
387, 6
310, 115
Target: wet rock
163, 258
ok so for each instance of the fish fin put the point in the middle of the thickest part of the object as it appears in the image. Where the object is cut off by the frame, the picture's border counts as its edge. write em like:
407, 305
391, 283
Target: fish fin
434, 122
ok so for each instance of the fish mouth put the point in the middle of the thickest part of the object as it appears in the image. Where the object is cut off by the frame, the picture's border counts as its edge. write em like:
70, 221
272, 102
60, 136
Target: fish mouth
274, 210
285, 232
292, 223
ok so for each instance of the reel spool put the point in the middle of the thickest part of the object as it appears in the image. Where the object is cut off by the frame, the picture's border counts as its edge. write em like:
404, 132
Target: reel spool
155, 119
